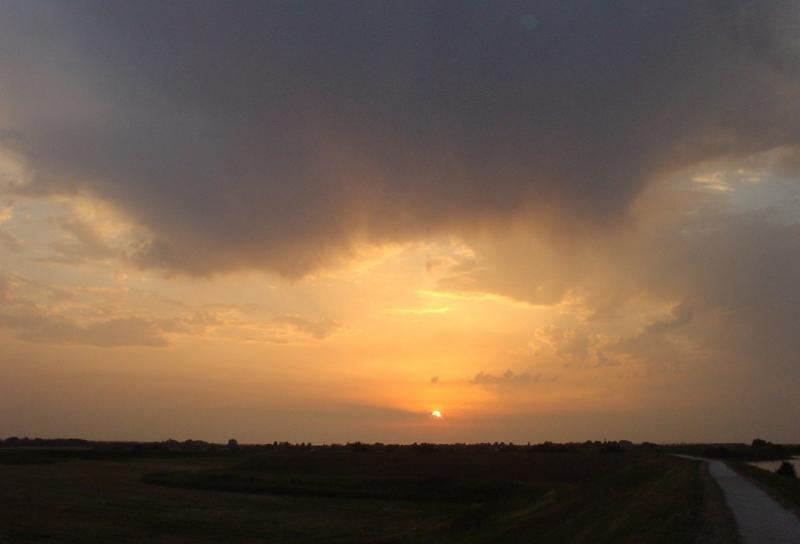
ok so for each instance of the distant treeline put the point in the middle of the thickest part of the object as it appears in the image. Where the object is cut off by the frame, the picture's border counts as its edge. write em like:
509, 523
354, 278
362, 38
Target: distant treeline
14, 442
199, 446
759, 449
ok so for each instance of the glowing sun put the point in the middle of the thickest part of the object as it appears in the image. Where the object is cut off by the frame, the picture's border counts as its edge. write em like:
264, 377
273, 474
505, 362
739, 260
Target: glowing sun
437, 414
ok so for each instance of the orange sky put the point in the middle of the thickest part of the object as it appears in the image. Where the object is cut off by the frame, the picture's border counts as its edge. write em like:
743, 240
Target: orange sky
545, 221
94, 346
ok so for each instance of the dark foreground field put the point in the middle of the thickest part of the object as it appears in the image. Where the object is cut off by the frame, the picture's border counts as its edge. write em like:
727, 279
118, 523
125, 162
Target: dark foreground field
303, 495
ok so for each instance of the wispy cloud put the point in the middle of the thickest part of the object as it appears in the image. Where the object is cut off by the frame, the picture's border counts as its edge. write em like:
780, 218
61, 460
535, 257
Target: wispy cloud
418, 311
509, 377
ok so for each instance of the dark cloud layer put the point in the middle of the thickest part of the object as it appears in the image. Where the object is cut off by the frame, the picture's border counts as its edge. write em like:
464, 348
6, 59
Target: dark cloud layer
278, 134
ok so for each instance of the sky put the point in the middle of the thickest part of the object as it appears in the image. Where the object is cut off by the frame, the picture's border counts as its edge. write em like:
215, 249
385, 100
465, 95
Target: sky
322, 221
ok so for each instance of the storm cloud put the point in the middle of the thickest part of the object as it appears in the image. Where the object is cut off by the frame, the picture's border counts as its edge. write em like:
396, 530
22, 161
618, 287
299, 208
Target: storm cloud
279, 135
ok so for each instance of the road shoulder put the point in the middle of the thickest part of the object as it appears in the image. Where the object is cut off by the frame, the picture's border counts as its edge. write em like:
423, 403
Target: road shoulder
718, 524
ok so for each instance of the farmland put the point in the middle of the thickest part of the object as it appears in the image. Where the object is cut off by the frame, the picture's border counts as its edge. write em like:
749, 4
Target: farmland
360, 494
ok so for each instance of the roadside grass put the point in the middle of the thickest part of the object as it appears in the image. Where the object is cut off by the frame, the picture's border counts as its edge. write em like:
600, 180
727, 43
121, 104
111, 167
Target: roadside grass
409, 489
359, 497
652, 500
505, 497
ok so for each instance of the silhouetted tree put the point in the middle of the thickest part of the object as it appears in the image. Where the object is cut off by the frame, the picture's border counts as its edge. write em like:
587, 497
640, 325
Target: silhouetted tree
786, 469
358, 446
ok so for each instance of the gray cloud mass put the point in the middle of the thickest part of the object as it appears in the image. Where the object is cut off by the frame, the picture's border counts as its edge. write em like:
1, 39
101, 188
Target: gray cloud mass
276, 135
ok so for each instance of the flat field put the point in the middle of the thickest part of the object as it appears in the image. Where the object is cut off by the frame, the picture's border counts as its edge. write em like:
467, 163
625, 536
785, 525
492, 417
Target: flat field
409, 496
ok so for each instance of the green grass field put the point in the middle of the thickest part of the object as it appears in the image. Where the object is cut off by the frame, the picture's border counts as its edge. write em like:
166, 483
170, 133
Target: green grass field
344, 496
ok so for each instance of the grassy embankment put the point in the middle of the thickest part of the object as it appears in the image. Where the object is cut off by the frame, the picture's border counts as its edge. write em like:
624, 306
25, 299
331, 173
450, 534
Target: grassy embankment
491, 497
301, 496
